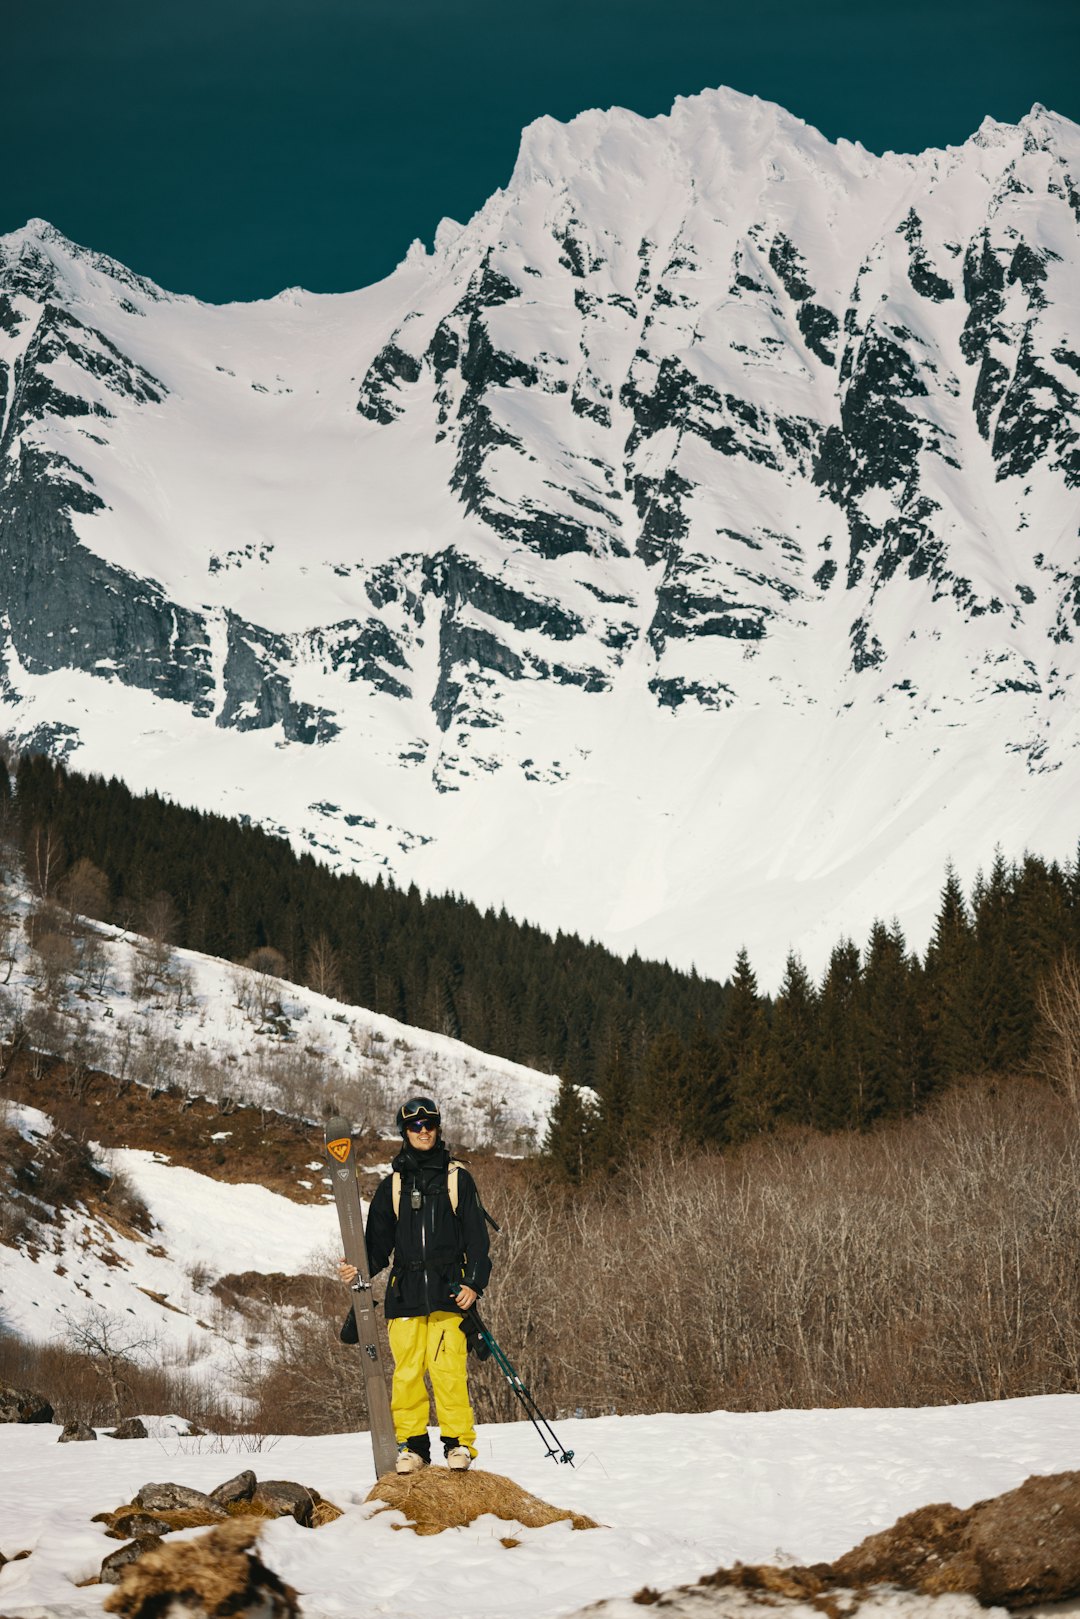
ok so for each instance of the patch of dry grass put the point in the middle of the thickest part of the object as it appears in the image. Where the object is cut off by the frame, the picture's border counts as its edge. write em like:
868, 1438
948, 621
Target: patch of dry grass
436, 1499
219, 1574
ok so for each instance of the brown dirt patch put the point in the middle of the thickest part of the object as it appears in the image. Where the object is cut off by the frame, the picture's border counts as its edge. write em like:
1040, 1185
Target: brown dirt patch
1012, 1551
269, 1287
436, 1499
265, 1148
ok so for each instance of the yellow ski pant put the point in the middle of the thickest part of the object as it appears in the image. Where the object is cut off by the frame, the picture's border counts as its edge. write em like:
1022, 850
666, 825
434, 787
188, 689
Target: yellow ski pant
436, 1345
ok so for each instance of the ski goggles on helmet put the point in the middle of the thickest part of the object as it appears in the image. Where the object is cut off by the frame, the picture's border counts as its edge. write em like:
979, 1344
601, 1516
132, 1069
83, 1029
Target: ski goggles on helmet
419, 1114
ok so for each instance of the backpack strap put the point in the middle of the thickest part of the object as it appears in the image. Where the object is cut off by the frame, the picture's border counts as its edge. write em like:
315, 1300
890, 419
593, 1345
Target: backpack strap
451, 1186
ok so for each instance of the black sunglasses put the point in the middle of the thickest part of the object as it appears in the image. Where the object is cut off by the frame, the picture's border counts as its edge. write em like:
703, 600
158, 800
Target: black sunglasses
422, 1121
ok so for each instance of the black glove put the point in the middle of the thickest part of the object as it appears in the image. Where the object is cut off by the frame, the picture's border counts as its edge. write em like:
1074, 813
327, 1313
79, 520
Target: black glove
348, 1333
475, 1343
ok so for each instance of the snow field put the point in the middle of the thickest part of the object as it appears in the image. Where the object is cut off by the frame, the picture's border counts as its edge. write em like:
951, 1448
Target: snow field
678, 1496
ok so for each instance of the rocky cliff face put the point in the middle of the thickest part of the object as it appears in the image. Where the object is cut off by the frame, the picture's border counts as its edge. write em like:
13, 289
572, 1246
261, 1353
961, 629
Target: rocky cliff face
711, 497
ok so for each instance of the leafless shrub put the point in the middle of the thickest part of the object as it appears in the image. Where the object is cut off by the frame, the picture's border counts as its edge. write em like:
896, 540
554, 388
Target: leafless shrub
68, 1379
306, 1380
93, 968
1057, 1002
152, 1059
200, 1276
362, 1097
258, 988
151, 970
84, 891
159, 920
53, 962
10, 921
931, 1262
294, 1079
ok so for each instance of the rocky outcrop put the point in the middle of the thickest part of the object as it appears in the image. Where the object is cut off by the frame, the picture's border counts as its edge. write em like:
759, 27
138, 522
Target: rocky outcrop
23, 1405
239, 1488
176, 1498
74, 1432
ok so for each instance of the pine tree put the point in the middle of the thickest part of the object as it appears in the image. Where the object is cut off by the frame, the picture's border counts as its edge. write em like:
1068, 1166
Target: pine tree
949, 1008
791, 1077
894, 1054
742, 1043
841, 1078
568, 1143
1001, 986
660, 1097
613, 1085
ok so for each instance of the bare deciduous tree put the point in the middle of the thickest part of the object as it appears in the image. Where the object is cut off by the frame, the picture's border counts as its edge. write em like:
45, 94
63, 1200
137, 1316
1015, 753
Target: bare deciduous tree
44, 861
151, 965
10, 922
323, 968
159, 920
84, 891
112, 1345
54, 962
262, 994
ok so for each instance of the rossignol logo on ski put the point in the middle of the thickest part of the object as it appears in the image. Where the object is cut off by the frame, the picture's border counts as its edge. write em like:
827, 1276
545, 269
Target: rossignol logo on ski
339, 1148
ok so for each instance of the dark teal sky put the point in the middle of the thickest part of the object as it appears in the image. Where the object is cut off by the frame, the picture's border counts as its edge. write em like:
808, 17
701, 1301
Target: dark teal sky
230, 148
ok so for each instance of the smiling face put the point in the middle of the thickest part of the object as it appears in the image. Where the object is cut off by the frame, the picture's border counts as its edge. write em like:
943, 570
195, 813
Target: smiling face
422, 1134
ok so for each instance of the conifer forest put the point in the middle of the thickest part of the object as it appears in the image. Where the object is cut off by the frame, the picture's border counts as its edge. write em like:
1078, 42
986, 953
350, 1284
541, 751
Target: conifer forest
884, 1031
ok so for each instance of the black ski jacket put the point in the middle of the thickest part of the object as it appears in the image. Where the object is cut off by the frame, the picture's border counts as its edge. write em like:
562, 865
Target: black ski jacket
433, 1248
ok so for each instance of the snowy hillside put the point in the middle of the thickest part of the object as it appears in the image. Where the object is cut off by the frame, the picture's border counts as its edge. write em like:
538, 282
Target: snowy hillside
156, 1289
134, 1009
802, 1484
215, 1029
685, 551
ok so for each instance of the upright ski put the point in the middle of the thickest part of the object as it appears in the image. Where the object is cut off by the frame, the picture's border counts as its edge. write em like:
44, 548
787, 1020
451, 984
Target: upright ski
342, 1163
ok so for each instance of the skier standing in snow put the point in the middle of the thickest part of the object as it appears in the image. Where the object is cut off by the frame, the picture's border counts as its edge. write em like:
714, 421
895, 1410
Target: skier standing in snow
428, 1216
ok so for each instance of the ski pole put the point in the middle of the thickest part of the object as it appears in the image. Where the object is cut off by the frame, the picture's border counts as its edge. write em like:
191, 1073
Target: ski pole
555, 1450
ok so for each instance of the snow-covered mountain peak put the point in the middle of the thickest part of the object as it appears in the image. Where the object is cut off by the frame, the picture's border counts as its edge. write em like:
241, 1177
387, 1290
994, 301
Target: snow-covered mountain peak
719, 128
709, 457
1039, 129
39, 260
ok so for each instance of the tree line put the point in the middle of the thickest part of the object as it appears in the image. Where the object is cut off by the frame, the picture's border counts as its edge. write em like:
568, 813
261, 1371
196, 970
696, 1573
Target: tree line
883, 1031
192, 878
